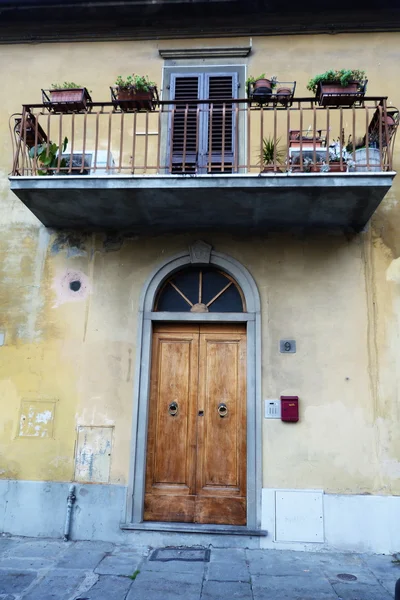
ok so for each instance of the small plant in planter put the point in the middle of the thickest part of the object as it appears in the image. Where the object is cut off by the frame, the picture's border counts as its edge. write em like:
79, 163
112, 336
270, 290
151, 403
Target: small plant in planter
135, 92
338, 88
337, 157
47, 156
271, 154
66, 97
260, 88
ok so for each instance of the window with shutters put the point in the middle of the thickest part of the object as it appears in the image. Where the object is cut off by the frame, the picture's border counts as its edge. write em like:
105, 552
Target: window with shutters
203, 125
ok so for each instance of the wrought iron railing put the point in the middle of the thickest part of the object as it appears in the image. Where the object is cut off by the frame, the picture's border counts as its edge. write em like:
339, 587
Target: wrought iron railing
222, 136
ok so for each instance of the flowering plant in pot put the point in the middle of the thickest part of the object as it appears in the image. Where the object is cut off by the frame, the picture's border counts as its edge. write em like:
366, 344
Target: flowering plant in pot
340, 87
260, 88
135, 92
66, 97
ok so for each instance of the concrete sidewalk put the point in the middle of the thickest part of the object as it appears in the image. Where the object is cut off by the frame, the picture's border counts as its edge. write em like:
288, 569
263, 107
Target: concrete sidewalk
33, 569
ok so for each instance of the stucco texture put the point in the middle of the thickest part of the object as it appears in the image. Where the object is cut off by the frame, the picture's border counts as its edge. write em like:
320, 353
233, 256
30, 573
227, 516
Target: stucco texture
337, 296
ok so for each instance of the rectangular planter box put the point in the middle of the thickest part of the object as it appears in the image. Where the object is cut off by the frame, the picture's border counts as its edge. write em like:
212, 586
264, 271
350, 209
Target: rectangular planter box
128, 100
333, 94
67, 100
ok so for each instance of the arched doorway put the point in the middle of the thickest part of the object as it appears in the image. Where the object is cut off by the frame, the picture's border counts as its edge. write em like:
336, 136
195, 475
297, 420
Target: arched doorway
197, 421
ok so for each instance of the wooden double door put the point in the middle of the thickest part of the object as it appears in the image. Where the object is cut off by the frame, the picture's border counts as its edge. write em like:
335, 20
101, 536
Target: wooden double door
196, 444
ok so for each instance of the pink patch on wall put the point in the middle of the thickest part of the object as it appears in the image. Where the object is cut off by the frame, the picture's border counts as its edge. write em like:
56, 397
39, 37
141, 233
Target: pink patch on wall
72, 286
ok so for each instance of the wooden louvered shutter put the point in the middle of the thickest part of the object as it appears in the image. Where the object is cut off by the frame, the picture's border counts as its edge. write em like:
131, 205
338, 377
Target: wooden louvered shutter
202, 135
220, 123
184, 126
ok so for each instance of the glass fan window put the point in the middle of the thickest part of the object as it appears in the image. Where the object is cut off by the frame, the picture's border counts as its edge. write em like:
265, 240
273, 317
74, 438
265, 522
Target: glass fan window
200, 290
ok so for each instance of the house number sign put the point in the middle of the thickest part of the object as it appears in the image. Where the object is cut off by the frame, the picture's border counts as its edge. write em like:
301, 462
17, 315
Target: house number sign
287, 346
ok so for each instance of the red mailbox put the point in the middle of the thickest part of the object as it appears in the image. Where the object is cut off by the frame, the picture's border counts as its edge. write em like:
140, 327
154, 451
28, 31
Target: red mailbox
290, 408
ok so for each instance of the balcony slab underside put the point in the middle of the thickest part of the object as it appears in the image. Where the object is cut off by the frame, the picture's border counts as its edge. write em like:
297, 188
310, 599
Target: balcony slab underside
247, 203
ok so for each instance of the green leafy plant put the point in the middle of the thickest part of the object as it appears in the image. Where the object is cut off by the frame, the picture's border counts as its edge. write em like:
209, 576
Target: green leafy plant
342, 77
252, 80
139, 83
271, 151
47, 156
67, 85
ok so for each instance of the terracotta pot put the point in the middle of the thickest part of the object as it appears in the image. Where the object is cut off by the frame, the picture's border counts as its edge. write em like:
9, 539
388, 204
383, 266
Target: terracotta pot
270, 169
262, 83
69, 100
262, 90
283, 95
333, 94
131, 100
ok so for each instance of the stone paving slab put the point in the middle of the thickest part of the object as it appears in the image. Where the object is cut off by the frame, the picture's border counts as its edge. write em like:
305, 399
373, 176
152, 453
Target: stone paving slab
309, 587
281, 563
109, 588
15, 582
162, 586
6, 544
39, 548
222, 590
123, 563
79, 558
174, 566
25, 563
361, 591
59, 584
225, 571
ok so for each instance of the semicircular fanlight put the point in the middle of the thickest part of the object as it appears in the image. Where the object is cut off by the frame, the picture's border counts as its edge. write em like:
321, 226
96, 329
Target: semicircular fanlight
200, 290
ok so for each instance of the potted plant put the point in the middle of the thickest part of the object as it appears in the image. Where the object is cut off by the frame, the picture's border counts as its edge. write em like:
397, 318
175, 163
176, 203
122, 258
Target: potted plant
260, 88
272, 155
135, 92
337, 157
47, 157
66, 97
338, 88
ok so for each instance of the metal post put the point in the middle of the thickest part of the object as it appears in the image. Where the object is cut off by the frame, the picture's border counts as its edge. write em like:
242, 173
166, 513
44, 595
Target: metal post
70, 503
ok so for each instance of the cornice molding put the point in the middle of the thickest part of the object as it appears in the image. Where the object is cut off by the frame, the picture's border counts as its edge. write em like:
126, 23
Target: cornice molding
217, 52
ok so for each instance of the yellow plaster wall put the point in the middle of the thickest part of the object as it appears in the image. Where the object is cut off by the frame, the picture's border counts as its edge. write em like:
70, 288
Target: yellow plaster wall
337, 296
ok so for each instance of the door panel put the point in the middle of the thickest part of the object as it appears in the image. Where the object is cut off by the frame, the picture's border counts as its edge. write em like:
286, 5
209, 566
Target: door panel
170, 445
196, 460
221, 456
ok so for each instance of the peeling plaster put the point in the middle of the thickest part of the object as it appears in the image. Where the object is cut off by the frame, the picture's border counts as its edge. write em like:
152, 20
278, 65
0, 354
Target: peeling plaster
36, 419
93, 456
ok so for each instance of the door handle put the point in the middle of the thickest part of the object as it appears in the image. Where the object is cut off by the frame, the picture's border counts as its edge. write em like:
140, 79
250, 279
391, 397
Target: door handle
222, 410
173, 409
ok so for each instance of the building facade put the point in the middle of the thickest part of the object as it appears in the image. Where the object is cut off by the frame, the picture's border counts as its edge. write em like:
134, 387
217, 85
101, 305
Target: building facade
165, 288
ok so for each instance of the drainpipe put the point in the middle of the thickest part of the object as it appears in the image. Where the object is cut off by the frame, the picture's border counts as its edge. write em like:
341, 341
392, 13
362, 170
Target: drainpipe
397, 590
70, 503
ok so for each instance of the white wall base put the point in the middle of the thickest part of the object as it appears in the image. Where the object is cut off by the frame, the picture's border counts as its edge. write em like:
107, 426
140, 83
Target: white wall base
294, 519
349, 523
